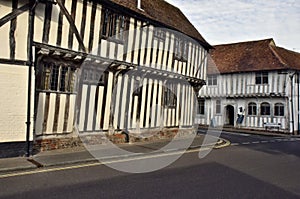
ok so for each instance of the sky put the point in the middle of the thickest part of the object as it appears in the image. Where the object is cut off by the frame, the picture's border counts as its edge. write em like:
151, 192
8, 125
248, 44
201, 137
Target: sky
230, 21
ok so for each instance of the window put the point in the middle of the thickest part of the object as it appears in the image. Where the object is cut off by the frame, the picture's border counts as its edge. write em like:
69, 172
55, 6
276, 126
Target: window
218, 106
159, 34
201, 106
58, 77
181, 49
170, 99
261, 78
297, 78
114, 25
265, 109
279, 109
252, 108
212, 80
93, 76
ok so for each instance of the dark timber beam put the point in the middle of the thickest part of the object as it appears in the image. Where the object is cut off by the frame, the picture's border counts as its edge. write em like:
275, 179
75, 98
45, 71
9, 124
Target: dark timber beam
15, 13
72, 24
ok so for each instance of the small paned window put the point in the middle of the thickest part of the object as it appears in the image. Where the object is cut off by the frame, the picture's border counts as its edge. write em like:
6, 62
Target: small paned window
159, 34
252, 108
114, 25
279, 109
261, 78
212, 80
58, 77
297, 80
170, 99
265, 109
181, 49
218, 106
201, 106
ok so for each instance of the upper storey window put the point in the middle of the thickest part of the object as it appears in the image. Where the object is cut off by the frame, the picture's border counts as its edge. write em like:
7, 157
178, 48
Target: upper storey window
159, 34
261, 78
212, 80
181, 49
114, 25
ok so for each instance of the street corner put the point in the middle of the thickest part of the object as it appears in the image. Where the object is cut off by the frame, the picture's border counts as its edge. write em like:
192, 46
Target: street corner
222, 143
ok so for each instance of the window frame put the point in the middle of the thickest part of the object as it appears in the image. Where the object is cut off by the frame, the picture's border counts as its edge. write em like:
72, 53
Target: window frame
181, 49
261, 78
279, 109
212, 80
113, 25
218, 107
253, 107
266, 112
201, 106
159, 34
170, 97
55, 77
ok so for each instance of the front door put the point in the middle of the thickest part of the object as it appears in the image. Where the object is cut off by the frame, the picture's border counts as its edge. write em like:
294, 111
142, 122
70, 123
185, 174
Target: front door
229, 115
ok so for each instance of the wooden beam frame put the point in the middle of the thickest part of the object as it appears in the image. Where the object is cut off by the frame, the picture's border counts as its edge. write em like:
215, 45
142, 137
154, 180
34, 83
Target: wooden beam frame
72, 24
15, 13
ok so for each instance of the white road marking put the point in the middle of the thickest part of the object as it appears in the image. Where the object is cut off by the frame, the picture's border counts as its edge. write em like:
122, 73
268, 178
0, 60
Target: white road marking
239, 134
45, 170
246, 143
267, 141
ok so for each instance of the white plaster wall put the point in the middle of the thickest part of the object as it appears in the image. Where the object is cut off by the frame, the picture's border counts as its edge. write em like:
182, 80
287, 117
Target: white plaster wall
13, 103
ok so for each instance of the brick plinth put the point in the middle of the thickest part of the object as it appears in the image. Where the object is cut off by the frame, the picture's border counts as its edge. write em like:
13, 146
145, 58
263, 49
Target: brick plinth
45, 144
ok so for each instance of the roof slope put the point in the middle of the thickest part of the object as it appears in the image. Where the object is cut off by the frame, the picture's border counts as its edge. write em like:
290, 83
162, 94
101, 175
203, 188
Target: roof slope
260, 55
164, 13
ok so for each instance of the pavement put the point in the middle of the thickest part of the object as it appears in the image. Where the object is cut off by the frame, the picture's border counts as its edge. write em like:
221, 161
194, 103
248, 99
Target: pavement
79, 155
271, 133
82, 155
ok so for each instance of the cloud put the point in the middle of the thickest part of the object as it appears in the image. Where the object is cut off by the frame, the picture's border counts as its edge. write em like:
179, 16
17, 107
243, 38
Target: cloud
227, 21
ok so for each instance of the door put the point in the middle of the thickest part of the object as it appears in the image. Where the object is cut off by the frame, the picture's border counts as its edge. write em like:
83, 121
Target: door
229, 115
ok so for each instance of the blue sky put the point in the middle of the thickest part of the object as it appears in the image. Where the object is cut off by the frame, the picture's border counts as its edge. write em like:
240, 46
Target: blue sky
229, 21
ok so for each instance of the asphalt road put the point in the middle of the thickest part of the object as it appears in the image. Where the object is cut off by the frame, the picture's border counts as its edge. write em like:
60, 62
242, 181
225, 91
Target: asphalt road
254, 167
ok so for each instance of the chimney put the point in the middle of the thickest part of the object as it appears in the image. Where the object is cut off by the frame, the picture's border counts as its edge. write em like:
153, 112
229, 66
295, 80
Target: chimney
139, 4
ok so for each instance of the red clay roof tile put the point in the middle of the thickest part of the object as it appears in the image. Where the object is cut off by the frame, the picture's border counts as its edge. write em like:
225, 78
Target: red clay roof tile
262, 55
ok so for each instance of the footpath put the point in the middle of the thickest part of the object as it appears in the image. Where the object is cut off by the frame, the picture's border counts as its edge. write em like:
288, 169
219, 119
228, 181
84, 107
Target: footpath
80, 155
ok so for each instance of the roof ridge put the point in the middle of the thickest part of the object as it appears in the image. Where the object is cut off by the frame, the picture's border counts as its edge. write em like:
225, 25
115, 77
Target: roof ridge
280, 58
244, 42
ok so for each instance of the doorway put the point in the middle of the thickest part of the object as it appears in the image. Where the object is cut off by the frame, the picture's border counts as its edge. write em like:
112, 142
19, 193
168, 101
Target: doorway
229, 115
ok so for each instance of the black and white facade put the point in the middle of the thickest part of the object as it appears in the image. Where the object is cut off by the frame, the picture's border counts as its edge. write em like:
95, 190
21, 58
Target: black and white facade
95, 65
263, 90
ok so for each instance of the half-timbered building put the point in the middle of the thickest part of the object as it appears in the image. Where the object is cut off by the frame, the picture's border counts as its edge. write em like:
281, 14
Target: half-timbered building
251, 85
93, 65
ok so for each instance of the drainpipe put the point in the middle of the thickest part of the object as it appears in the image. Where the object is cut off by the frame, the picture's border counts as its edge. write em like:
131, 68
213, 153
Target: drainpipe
30, 63
292, 105
298, 105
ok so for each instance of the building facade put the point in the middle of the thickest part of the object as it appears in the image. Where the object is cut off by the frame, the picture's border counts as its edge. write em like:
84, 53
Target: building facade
251, 85
96, 65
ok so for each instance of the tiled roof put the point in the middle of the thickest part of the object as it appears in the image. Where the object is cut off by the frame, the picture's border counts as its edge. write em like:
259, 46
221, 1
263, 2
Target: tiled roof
164, 13
260, 55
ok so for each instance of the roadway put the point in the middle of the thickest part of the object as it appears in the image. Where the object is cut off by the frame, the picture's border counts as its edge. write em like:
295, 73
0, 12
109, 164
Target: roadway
252, 167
